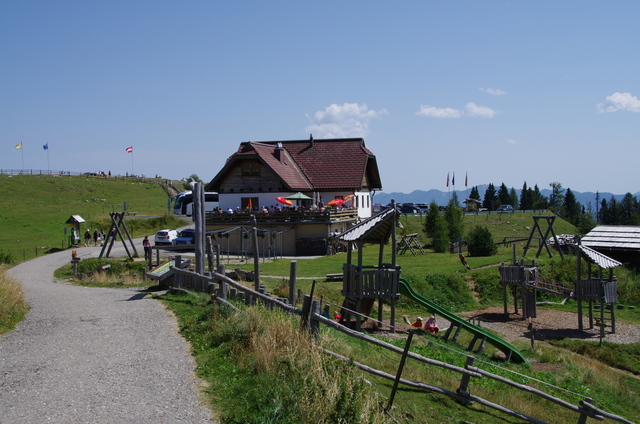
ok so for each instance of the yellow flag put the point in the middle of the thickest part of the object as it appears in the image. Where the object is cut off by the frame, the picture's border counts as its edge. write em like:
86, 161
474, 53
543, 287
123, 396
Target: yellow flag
19, 146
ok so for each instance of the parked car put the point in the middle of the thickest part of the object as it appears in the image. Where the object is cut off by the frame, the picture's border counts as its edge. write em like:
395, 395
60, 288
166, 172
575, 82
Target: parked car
505, 208
423, 207
186, 237
408, 208
165, 237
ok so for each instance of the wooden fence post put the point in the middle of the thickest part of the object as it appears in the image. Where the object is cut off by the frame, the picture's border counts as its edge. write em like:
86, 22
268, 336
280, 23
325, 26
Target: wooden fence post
400, 368
293, 267
314, 325
463, 390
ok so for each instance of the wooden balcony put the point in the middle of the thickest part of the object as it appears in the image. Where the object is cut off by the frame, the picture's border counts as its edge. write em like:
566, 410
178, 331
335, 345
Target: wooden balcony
284, 217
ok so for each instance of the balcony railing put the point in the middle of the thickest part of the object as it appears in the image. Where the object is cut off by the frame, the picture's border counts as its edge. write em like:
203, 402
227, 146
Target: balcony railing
283, 217
370, 282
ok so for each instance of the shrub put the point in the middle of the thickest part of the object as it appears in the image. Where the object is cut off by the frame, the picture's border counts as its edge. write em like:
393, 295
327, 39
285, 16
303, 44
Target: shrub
481, 243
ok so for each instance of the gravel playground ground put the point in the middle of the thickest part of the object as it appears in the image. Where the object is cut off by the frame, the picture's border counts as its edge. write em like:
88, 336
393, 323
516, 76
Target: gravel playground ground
94, 355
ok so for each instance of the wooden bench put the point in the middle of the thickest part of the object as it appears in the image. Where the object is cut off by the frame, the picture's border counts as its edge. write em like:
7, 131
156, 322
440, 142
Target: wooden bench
334, 276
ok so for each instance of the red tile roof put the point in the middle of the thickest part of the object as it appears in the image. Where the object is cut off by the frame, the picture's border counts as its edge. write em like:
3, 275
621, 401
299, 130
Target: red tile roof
331, 164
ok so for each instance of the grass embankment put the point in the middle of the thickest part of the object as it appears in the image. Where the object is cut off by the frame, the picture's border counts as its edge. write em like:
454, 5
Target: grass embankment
36, 207
13, 306
261, 369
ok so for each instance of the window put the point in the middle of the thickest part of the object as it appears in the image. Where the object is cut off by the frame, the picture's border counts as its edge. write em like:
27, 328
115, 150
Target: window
249, 203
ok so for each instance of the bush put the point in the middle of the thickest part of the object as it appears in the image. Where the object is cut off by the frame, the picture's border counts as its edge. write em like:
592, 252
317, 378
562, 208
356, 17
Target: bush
481, 243
6, 258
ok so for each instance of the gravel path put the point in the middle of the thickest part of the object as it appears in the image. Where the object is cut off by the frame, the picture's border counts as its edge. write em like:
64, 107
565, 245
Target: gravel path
93, 355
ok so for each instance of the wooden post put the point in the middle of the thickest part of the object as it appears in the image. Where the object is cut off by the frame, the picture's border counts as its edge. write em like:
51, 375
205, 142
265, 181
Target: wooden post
400, 368
314, 325
463, 390
198, 217
256, 255
209, 247
177, 262
293, 267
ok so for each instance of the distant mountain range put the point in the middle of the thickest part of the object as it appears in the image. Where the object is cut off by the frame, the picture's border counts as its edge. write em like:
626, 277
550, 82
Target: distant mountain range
442, 197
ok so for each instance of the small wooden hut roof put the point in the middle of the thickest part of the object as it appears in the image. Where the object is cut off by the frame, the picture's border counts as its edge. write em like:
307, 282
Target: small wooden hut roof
613, 237
377, 229
598, 258
75, 219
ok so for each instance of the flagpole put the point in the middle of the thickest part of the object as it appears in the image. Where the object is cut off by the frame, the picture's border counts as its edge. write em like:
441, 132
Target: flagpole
48, 168
22, 154
132, 163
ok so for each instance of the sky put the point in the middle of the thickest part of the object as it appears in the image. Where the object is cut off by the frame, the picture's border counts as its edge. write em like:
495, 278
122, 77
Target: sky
493, 91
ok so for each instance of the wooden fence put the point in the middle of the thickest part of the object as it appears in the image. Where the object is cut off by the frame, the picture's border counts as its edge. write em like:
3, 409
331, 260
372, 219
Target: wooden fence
223, 289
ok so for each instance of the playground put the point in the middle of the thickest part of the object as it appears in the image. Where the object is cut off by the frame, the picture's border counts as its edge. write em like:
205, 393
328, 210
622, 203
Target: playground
550, 324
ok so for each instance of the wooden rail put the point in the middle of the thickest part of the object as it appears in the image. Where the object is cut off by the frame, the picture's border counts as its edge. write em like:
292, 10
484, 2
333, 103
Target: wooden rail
218, 285
274, 218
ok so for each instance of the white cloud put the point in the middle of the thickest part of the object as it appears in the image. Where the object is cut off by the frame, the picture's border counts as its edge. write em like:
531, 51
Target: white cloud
511, 141
619, 101
439, 112
470, 109
493, 91
473, 109
342, 121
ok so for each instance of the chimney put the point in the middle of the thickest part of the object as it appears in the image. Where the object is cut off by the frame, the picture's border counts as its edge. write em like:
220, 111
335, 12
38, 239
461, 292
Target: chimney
311, 139
279, 152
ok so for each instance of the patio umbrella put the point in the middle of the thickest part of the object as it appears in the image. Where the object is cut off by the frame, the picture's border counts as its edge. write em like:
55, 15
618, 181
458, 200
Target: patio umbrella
285, 201
298, 196
336, 202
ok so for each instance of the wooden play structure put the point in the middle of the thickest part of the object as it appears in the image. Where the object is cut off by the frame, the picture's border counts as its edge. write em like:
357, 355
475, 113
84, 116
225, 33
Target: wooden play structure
117, 228
410, 242
362, 285
543, 237
524, 281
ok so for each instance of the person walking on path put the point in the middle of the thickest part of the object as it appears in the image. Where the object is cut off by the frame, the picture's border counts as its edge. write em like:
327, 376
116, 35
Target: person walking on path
146, 243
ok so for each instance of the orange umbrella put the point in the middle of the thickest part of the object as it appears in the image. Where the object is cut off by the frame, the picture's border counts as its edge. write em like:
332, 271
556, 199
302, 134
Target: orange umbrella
336, 202
349, 197
285, 201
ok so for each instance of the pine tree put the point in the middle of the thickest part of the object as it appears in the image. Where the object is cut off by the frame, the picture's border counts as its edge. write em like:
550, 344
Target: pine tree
474, 193
490, 198
455, 221
526, 197
570, 209
513, 198
503, 195
435, 227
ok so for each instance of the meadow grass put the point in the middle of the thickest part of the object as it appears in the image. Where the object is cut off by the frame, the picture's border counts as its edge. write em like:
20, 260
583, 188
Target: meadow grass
13, 306
36, 207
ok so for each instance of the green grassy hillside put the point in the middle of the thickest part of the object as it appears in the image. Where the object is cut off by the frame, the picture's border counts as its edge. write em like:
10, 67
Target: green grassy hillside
36, 207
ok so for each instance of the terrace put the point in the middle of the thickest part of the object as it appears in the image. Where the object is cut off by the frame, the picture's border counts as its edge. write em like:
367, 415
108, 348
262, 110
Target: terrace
283, 217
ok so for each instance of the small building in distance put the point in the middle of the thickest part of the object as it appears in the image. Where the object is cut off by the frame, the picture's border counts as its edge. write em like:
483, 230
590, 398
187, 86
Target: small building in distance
620, 242
342, 173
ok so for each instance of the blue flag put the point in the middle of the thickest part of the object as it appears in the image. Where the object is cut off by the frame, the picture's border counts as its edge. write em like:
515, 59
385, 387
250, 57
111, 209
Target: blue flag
46, 146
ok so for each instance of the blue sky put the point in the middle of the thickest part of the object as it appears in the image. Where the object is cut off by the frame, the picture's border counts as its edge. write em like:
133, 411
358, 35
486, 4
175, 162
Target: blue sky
502, 91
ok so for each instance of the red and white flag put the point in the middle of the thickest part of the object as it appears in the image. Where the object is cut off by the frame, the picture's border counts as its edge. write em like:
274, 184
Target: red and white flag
129, 149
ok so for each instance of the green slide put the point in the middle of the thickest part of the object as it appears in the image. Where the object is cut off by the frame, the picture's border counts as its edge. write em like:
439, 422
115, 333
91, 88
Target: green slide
511, 352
